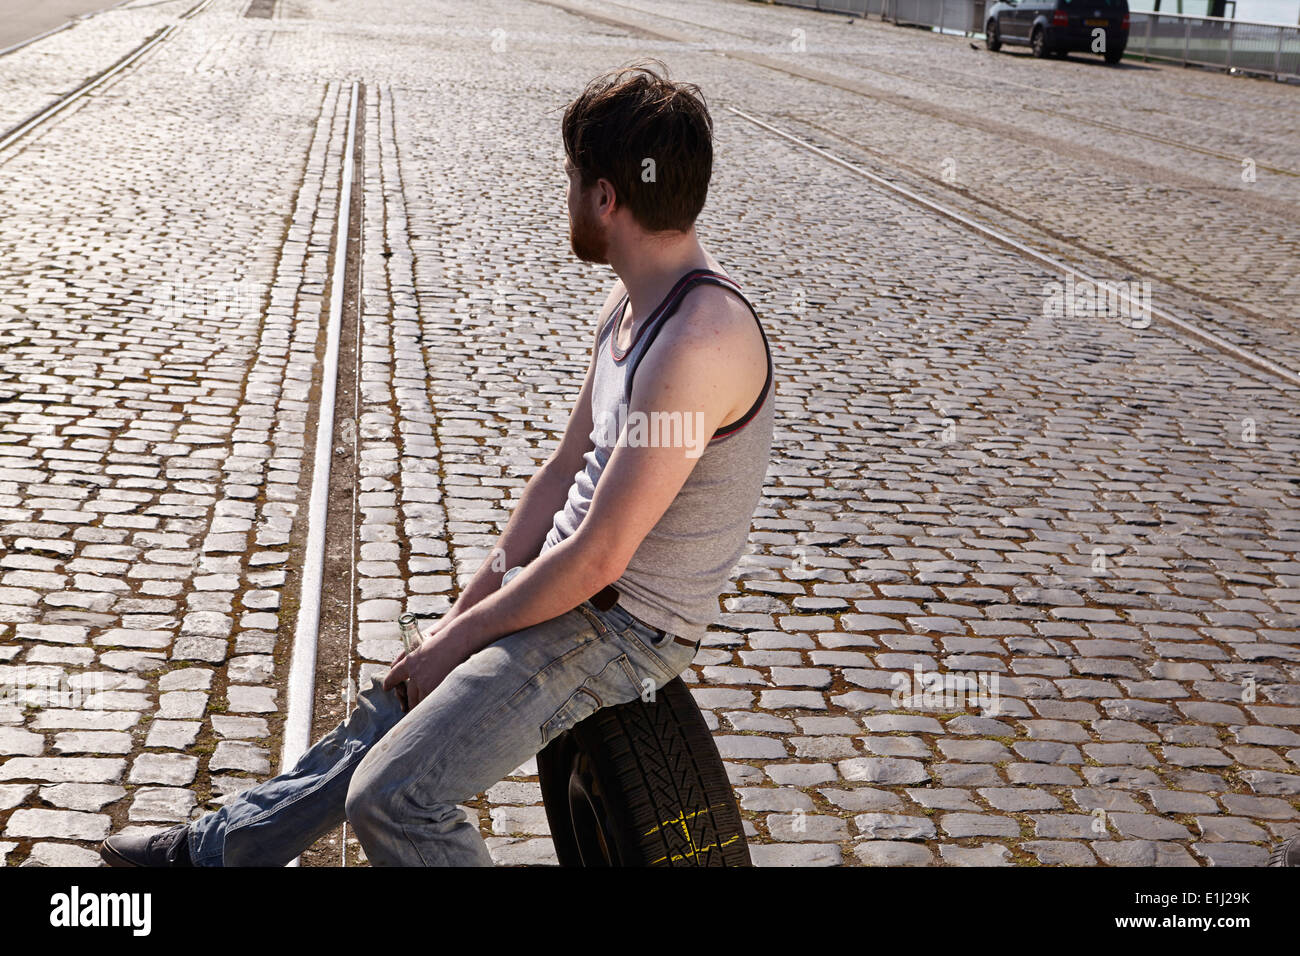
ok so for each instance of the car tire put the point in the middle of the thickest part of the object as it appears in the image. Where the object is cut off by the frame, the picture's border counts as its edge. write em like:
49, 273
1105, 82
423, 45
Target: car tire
1039, 42
991, 38
1114, 56
642, 784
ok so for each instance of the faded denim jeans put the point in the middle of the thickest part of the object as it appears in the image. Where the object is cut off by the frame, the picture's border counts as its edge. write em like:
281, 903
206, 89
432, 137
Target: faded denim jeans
397, 778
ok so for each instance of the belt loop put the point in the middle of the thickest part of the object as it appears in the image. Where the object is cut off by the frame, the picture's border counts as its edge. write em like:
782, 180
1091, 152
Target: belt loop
601, 628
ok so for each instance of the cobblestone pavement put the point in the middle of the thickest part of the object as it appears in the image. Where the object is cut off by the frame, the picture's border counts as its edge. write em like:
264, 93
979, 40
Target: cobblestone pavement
37, 73
1142, 168
1101, 519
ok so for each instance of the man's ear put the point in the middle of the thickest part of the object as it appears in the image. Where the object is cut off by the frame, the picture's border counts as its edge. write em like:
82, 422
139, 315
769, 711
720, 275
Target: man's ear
606, 198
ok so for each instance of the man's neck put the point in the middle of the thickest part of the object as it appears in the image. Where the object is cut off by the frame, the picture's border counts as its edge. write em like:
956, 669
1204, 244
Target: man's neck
650, 270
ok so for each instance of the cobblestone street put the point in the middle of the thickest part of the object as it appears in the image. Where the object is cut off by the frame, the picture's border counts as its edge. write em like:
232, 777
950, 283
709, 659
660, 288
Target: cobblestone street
1100, 519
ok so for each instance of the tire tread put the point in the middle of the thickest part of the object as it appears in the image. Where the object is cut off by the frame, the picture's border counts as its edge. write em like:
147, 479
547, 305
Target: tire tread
656, 763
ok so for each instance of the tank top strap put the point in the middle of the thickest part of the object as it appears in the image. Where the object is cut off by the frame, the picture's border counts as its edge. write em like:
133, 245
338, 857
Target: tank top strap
611, 320
669, 306
650, 331
662, 310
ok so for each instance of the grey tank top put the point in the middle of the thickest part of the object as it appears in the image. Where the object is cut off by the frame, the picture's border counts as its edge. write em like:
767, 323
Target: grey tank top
685, 563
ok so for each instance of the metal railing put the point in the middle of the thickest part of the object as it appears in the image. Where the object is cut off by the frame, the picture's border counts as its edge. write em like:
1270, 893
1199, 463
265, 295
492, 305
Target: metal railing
1267, 49
1270, 49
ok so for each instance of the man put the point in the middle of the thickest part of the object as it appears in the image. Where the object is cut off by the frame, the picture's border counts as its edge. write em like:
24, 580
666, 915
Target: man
626, 536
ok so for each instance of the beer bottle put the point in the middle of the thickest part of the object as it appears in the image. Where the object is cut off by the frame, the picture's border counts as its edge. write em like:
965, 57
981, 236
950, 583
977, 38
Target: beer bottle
409, 631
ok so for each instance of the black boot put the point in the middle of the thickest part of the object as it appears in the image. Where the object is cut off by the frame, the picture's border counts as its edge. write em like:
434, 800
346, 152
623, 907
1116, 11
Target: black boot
168, 848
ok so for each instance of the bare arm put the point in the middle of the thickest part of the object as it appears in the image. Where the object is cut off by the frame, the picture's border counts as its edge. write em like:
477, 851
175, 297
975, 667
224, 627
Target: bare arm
710, 367
543, 496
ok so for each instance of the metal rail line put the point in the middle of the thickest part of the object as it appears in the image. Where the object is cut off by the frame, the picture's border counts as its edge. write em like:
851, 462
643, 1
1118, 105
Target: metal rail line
34, 122
301, 690
1202, 335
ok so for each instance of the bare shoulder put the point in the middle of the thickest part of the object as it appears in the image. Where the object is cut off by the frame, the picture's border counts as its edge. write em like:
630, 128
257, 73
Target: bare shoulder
712, 342
713, 317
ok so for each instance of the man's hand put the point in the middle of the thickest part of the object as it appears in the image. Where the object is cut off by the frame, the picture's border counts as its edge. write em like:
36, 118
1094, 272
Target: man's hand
545, 493
417, 674
706, 369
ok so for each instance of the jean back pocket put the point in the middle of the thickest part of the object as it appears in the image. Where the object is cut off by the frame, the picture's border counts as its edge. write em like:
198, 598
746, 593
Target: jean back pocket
617, 683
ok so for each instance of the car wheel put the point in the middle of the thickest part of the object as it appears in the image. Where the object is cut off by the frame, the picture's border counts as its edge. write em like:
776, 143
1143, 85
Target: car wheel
991, 38
641, 784
1114, 56
1039, 42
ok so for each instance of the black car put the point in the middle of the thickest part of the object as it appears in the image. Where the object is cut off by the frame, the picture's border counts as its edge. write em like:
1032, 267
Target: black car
1060, 27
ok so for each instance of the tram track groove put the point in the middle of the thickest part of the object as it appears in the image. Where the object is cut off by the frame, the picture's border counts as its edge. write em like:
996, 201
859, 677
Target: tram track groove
301, 685
1075, 246
69, 24
1202, 336
37, 120
946, 114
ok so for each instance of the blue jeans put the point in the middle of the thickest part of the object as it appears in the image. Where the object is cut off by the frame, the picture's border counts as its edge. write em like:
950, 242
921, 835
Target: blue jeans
397, 778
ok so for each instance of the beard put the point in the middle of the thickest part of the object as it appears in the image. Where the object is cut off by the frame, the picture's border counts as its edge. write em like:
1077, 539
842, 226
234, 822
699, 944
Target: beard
589, 243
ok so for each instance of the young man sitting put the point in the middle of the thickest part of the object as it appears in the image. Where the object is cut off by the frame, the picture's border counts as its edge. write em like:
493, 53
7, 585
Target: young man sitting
627, 535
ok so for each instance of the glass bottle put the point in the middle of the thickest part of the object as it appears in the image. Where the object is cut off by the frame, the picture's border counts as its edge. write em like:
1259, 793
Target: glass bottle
409, 631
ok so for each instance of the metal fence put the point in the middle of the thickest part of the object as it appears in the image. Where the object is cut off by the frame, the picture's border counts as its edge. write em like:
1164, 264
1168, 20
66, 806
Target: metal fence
1269, 49
1266, 48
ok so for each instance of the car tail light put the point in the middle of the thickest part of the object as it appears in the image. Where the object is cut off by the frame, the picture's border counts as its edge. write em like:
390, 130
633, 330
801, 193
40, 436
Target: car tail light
1060, 19
1124, 23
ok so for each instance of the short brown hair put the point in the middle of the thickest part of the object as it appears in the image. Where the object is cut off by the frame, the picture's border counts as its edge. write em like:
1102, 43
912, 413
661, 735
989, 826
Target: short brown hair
635, 114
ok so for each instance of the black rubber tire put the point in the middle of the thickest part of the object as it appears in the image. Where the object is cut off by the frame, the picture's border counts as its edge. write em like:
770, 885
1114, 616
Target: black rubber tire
642, 784
1279, 853
992, 40
1114, 56
1038, 40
